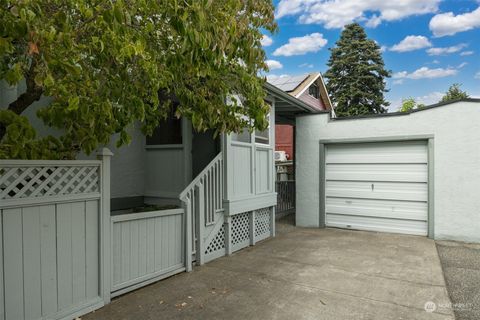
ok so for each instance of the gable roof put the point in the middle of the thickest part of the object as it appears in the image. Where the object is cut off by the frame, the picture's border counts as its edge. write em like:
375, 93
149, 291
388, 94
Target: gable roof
296, 85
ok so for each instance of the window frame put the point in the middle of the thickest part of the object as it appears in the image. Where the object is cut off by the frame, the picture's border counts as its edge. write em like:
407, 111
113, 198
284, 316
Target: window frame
316, 93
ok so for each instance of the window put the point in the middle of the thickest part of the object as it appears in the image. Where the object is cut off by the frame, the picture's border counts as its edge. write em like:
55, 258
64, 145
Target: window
169, 131
263, 137
243, 136
314, 91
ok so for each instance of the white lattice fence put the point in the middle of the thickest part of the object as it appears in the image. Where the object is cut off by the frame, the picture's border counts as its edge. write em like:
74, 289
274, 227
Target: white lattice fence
216, 247
240, 231
30, 181
263, 218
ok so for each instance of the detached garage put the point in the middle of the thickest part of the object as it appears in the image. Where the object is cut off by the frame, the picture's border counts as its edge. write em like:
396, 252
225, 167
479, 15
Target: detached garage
412, 173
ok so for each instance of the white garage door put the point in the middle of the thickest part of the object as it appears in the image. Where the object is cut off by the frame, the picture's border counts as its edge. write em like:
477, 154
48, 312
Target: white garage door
377, 186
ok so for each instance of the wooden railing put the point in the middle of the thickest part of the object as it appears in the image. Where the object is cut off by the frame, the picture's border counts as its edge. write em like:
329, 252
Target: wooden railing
202, 199
285, 196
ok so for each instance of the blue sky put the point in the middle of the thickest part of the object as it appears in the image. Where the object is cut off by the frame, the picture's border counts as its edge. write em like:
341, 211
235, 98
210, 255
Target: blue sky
427, 44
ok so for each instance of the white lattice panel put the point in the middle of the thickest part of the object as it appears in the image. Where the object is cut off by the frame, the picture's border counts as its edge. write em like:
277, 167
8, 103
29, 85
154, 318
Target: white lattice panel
262, 223
217, 243
44, 181
241, 228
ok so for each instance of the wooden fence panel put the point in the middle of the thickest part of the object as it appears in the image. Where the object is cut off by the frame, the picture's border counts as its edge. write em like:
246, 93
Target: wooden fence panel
46, 269
50, 234
146, 247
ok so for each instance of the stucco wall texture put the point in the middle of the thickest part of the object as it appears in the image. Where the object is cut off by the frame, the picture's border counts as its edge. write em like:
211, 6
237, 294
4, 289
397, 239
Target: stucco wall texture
456, 131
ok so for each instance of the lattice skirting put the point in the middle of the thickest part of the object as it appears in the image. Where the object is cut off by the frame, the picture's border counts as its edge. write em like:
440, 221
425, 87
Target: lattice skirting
242, 230
216, 247
263, 220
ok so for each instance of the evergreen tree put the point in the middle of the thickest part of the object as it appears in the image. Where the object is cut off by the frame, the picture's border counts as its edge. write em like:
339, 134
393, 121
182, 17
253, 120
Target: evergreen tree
356, 74
454, 93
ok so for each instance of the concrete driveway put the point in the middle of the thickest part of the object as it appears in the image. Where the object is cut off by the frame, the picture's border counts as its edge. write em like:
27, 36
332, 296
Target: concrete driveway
302, 274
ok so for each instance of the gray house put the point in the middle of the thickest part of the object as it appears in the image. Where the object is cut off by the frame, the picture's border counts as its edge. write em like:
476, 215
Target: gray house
76, 233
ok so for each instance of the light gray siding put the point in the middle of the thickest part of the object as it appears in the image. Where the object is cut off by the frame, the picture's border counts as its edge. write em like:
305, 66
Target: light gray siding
456, 166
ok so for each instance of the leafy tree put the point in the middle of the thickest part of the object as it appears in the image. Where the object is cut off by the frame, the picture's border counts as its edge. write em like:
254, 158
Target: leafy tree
410, 104
454, 93
356, 74
108, 64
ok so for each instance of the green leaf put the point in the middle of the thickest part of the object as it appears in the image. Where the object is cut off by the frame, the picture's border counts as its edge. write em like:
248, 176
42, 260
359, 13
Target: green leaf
73, 103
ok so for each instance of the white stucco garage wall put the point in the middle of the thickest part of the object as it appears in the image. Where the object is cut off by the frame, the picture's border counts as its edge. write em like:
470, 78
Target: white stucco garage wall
456, 131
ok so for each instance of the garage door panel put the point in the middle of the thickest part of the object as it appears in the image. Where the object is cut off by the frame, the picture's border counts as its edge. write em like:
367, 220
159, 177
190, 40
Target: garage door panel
406, 152
378, 172
372, 208
378, 224
406, 191
377, 186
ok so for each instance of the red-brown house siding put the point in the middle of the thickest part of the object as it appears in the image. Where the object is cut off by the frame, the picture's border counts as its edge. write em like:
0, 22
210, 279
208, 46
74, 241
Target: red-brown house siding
284, 139
308, 99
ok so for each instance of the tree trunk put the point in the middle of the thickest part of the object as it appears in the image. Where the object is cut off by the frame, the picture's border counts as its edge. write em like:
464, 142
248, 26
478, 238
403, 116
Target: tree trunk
32, 94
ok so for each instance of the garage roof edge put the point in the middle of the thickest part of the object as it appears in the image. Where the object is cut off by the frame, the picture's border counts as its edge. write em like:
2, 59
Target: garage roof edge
406, 113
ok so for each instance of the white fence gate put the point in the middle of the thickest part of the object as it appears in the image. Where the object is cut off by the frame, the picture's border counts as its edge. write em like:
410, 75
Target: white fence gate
52, 217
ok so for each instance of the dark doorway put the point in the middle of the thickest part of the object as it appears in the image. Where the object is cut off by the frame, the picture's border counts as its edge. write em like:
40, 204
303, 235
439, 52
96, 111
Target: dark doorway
204, 148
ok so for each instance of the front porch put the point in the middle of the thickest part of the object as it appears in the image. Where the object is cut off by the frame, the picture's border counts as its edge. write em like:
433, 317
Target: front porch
301, 274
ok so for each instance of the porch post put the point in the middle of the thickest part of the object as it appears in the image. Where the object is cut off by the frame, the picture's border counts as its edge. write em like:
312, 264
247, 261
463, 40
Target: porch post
228, 235
105, 241
187, 206
252, 227
200, 223
272, 222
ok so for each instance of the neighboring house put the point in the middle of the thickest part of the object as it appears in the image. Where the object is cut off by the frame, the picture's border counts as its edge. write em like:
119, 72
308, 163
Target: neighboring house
74, 215
310, 88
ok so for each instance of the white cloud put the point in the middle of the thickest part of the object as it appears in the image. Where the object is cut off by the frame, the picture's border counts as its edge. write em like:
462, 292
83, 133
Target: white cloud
411, 43
446, 50
266, 41
477, 75
431, 98
272, 77
306, 65
337, 13
466, 53
398, 81
447, 24
435, 61
428, 99
425, 73
274, 64
374, 21
461, 65
301, 45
